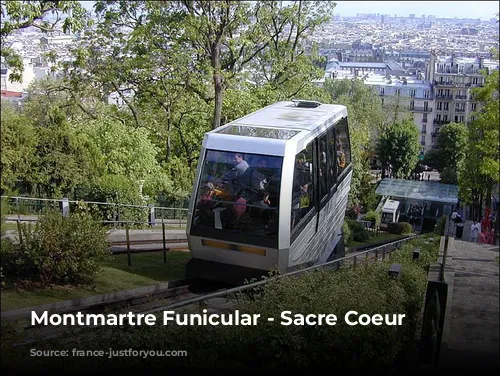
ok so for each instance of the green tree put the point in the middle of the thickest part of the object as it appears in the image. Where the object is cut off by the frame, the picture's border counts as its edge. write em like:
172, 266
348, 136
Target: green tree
126, 151
18, 143
19, 15
398, 148
452, 142
480, 171
63, 160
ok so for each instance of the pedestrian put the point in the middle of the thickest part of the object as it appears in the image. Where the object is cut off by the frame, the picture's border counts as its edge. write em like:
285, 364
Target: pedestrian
475, 230
459, 230
491, 238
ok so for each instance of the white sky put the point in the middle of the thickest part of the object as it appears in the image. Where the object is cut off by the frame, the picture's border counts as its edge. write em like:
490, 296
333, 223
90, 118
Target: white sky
445, 9
449, 9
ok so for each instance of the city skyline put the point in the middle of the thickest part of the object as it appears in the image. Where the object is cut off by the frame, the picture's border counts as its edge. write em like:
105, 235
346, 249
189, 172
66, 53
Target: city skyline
484, 10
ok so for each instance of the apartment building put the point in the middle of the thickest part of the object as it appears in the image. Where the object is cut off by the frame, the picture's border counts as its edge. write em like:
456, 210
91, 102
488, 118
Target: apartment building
454, 79
443, 96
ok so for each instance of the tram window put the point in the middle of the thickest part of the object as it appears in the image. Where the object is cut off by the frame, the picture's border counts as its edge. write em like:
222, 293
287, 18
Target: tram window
323, 167
343, 151
239, 193
332, 167
302, 188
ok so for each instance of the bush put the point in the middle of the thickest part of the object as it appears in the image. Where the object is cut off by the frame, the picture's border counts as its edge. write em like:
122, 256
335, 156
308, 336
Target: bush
57, 250
367, 289
440, 226
406, 228
120, 190
346, 231
361, 236
399, 228
394, 228
355, 226
373, 217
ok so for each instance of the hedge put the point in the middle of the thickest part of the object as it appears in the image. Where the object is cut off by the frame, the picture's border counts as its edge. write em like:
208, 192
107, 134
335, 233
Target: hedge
366, 289
56, 250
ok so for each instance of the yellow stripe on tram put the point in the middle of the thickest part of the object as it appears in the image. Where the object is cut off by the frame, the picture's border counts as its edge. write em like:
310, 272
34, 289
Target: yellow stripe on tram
234, 247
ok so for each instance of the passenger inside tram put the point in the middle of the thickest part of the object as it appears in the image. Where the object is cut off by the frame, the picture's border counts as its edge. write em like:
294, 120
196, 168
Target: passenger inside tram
239, 192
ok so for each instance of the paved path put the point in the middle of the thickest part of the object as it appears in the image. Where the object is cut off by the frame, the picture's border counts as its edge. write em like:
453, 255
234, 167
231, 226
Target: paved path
471, 342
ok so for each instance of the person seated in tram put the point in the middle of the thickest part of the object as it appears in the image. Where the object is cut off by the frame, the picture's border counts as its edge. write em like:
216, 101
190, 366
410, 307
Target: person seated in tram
239, 169
206, 204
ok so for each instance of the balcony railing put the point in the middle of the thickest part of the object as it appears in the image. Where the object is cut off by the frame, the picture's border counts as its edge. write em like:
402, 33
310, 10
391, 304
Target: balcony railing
420, 109
454, 84
459, 109
444, 96
460, 96
448, 70
441, 122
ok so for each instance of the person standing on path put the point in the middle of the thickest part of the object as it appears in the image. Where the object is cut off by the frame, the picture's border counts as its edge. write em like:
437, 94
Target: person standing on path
475, 229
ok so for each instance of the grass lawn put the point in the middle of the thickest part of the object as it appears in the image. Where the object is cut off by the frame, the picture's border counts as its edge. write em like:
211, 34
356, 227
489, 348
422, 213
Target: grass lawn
10, 226
147, 269
375, 239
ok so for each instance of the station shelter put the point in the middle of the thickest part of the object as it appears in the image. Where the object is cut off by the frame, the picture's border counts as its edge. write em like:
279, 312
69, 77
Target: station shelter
436, 198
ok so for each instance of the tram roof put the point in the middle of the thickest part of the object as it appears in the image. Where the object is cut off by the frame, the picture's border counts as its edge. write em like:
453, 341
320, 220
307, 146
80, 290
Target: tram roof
283, 120
274, 125
419, 190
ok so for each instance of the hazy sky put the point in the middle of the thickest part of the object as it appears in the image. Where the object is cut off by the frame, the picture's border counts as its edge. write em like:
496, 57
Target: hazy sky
450, 9
460, 9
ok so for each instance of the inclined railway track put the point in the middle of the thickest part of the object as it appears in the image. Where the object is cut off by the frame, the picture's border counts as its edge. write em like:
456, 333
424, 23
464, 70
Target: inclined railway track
186, 294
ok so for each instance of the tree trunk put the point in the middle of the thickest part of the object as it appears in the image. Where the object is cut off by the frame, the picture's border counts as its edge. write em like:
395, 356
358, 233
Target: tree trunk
218, 84
169, 129
488, 196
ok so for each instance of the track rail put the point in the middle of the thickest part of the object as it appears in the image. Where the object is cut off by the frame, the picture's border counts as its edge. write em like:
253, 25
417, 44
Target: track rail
122, 246
135, 301
177, 294
147, 241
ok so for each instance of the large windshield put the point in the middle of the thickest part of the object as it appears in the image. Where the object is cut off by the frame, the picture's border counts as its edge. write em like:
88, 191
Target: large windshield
238, 194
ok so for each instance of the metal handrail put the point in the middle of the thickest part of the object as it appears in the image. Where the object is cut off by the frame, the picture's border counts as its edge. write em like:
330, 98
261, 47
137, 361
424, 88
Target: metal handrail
252, 285
90, 202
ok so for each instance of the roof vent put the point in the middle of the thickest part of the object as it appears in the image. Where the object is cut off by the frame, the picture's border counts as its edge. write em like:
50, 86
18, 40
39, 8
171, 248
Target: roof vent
306, 104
